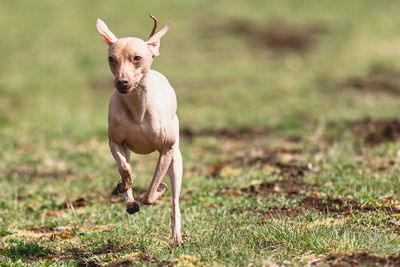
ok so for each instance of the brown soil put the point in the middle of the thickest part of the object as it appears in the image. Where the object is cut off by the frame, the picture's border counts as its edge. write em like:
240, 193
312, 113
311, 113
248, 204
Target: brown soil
360, 259
289, 186
334, 205
277, 35
379, 79
345, 207
375, 132
263, 158
313, 203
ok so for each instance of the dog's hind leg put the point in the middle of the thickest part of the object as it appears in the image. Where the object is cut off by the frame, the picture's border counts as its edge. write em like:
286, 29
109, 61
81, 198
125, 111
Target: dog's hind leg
121, 155
175, 175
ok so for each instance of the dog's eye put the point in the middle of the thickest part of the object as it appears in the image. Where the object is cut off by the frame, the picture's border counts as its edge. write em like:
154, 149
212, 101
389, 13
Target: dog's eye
110, 59
137, 58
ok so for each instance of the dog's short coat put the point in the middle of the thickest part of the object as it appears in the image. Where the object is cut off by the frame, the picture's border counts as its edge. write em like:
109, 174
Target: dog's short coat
142, 118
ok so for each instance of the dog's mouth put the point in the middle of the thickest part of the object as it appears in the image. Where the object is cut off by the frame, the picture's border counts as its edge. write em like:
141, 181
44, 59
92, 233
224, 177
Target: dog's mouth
124, 89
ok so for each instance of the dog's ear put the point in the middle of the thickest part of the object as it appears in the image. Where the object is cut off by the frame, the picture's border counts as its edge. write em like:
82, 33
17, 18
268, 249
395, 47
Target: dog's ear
107, 35
154, 42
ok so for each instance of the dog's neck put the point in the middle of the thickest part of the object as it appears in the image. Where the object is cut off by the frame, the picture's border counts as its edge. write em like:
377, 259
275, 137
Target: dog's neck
136, 101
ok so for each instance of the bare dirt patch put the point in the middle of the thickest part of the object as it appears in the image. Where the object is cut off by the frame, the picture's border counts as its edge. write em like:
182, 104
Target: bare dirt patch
327, 205
360, 259
375, 132
380, 78
289, 186
264, 158
334, 205
369, 132
342, 206
278, 35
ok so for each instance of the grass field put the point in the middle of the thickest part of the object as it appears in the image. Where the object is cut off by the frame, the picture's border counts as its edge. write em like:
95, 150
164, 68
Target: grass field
289, 114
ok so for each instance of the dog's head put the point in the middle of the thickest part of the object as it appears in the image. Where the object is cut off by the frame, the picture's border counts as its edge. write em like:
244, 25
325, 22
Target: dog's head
130, 58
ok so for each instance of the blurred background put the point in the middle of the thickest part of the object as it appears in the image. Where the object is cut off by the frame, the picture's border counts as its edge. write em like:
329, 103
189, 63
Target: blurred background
280, 64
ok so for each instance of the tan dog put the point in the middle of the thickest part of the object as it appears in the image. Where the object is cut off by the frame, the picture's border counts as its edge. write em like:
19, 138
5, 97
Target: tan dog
142, 118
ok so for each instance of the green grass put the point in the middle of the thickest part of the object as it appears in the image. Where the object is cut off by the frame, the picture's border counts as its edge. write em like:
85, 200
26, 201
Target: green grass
54, 90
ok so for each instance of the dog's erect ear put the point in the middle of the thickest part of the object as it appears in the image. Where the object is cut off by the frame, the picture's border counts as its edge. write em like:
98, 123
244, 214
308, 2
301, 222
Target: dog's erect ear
154, 42
107, 35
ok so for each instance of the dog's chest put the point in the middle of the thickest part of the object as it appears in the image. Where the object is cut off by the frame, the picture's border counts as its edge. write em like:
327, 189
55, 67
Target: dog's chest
143, 136
139, 139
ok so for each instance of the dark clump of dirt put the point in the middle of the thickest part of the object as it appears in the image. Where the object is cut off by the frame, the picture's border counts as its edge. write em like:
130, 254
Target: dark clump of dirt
309, 203
263, 158
77, 203
278, 35
338, 205
331, 204
360, 259
375, 132
228, 133
380, 78
289, 186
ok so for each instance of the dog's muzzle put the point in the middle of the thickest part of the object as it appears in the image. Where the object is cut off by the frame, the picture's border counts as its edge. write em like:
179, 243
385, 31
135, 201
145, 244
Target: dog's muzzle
122, 85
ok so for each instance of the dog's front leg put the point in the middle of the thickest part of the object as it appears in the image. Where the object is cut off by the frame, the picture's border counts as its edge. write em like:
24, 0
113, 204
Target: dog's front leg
121, 155
156, 188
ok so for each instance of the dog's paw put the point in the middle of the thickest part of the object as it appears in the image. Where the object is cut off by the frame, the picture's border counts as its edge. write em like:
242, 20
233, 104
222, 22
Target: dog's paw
176, 241
177, 244
132, 207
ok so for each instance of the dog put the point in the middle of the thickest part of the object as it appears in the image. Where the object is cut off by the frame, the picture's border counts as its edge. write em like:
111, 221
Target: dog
142, 118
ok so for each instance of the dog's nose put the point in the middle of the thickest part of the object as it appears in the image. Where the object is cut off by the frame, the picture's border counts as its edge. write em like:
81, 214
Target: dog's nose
123, 81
